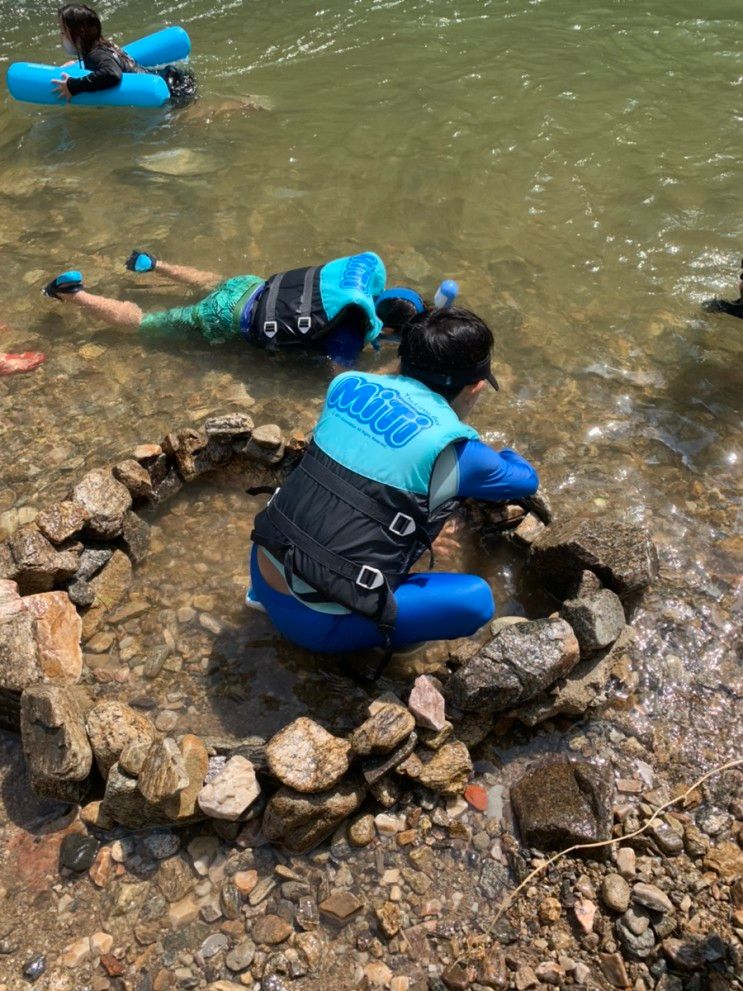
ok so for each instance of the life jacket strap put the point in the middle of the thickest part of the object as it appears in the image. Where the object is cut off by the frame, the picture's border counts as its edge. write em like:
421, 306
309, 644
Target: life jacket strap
270, 324
399, 524
304, 323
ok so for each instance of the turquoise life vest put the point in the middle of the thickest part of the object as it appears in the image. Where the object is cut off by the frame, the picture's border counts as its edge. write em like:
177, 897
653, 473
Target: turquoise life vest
355, 515
302, 305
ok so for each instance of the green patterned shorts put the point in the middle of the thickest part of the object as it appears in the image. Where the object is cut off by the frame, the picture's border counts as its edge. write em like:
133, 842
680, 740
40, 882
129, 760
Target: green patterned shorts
216, 317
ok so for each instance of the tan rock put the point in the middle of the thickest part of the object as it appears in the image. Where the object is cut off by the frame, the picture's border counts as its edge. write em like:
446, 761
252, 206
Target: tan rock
105, 499
196, 762
109, 587
101, 943
306, 758
726, 859
300, 822
383, 731
163, 773
361, 831
340, 905
102, 870
76, 953
389, 915
245, 881
448, 770
378, 974
182, 912
55, 744
270, 930
62, 520
112, 726
58, 631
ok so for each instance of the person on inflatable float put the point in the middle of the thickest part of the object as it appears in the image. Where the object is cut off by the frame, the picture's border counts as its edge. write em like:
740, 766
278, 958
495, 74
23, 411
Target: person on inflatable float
389, 461
82, 37
334, 309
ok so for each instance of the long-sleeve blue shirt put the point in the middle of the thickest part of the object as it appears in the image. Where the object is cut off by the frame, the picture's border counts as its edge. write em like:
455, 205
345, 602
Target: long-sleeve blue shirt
470, 469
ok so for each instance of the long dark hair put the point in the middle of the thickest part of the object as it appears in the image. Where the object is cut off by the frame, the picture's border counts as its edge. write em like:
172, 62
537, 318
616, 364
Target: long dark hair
83, 27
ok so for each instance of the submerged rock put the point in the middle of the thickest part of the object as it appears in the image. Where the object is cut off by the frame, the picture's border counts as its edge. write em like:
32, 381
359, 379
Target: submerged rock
306, 758
111, 727
520, 661
109, 588
621, 554
55, 744
597, 620
135, 534
562, 802
229, 426
231, 793
105, 499
299, 822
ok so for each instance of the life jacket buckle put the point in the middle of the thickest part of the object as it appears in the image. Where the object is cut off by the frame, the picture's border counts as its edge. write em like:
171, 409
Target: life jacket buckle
304, 325
402, 525
369, 578
270, 328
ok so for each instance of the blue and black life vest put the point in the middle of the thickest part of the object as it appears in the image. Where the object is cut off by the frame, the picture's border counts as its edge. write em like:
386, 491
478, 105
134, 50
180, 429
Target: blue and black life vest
355, 515
301, 306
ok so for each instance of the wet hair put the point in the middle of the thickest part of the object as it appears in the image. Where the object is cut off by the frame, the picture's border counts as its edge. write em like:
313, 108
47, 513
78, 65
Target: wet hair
82, 25
445, 342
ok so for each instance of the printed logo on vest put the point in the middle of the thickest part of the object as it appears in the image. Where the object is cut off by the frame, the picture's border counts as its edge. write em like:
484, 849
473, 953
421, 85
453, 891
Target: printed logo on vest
383, 410
359, 272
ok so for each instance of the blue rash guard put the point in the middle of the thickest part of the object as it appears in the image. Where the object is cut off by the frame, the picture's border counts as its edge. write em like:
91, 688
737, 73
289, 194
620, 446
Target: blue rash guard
431, 605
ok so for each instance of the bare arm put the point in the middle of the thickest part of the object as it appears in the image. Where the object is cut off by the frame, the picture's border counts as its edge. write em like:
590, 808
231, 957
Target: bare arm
111, 311
189, 276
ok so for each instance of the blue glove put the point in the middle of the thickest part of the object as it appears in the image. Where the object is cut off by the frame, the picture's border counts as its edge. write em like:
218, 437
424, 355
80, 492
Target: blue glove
140, 261
65, 284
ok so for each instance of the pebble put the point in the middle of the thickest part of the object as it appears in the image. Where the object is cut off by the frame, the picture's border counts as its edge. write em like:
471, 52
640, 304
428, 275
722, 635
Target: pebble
76, 953
549, 910
615, 893
361, 831
241, 956
525, 978
77, 852
614, 970
35, 967
166, 721
214, 944
270, 930
651, 897
261, 891
636, 920
162, 845
340, 905
585, 912
626, 861
388, 824
245, 881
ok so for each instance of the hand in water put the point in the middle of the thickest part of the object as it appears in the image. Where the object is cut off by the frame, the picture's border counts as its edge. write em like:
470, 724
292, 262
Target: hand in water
141, 261
447, 545
60, 85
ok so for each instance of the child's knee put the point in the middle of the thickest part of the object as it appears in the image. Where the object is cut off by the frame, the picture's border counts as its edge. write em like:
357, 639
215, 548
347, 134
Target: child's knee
477, 604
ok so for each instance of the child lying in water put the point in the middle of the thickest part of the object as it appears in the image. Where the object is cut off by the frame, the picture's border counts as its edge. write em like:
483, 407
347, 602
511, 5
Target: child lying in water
82, 37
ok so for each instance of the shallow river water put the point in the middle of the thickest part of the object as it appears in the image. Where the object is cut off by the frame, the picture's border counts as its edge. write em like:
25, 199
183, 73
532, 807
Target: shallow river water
573, 165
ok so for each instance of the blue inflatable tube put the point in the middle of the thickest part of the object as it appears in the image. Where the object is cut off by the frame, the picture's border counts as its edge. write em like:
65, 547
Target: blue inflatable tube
31, 82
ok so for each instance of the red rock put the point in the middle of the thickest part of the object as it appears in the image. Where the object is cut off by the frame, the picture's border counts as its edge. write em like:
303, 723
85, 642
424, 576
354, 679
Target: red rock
112, 966
477, 797
11, 364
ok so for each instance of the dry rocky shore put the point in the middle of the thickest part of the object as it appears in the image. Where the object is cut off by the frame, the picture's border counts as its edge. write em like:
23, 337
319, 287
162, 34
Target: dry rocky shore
375, 859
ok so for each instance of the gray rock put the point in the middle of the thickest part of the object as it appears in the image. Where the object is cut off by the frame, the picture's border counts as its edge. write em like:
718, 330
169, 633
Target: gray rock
136, 536
650, 896
19, 659
299, 821
669, 841
597, 620
636, 919
105, 499
34, 563
77, 852
124, 803
521, 661
621, 554
58, 755
91, 562
639, 945
306, 758
81, 593
241, 956
562, 802
229, 426
375, 768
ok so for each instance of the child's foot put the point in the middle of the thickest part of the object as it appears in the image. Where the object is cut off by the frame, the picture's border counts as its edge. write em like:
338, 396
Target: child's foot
11, 364
66, 284
141, 261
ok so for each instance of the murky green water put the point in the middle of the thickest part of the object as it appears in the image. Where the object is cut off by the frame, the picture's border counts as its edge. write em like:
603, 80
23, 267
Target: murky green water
574, 165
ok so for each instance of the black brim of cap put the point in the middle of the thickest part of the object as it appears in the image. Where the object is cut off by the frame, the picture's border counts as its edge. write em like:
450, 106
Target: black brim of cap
493, 380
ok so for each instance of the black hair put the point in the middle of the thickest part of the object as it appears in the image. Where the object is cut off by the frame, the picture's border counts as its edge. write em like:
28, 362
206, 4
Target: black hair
444, 342
83, 27
395, 312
